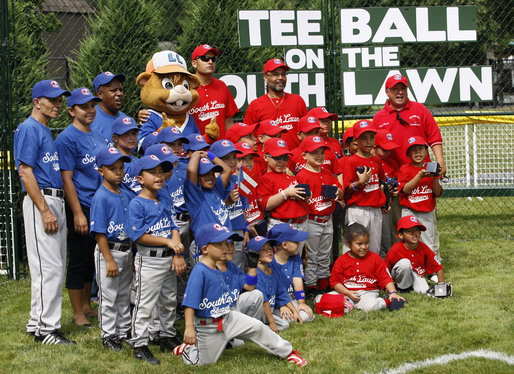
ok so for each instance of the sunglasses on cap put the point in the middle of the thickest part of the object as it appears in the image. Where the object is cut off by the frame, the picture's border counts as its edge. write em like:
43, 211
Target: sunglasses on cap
207, 58
280, 158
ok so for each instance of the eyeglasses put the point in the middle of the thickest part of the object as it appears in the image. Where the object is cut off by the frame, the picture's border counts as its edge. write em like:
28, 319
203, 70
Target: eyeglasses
402, 121
274, 74
207, 58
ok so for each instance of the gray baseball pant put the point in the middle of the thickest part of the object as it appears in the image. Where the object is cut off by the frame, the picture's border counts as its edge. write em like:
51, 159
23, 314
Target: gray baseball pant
251, 304
371, 219
299, 226
389, 224
405, 277
370, 300
239, 256
283, 324
431, 236
319, 250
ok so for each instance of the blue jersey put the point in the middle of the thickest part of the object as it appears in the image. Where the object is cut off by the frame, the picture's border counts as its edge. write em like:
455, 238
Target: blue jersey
175, 185
235, 211
146, 216
103, 123
129, 182
206, 206
34, 146
293, 268
273, 291
208, 293
109, 214
154, 123
77, 152
235, 279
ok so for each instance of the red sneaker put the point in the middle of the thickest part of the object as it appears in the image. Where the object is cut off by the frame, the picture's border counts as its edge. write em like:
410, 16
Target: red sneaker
296, 358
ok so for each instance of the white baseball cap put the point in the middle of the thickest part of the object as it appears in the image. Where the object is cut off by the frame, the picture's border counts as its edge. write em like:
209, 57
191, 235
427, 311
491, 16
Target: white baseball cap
167, 62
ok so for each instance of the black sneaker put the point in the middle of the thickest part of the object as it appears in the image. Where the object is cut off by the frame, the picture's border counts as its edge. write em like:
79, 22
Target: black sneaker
114, 344
144, 354
167, 343
405, 290
55, 337
154, 341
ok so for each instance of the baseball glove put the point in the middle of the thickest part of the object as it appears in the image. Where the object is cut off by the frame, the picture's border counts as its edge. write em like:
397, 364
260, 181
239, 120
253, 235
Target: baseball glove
440, 290
252, 257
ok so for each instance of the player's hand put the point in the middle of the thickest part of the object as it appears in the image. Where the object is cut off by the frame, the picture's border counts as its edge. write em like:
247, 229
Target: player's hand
339, 194
176, 245
202, 154
234, 195
273, 326
246, 238
394, 295
394, 192
50, 222
423, 173
286, 313
442, 172
143, 115
353, 295
296, 317
80, 224
307, 309
190, 336
364, 176
293, 192
111, 268
385, 211
178, 264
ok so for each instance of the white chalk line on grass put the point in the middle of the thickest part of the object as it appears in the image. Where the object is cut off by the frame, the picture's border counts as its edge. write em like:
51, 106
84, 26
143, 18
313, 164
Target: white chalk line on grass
445, 359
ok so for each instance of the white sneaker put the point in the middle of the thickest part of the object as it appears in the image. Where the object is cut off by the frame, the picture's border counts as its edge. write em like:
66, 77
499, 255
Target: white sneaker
179, 349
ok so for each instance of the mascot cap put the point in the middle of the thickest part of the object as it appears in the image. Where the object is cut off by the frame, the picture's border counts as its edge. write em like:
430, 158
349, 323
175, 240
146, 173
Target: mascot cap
167, 62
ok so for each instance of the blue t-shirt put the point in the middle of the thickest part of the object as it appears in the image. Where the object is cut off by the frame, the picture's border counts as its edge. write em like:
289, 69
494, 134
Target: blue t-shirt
235, 279
208, 293
77, 152
34, 146
103, 123
129, 182
146, 216
273, 291
235, 211
154, 123
293, 268
109, 214
206, 206
175, 185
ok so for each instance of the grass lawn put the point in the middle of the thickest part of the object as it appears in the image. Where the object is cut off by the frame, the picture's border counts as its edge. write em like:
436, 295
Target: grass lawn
478, 316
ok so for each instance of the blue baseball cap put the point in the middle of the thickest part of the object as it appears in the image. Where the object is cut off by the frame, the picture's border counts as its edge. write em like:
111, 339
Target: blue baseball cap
108, 156
196, 143
149, 140
80, 96
171, 134
149, 162
123, 124
284, 232
258, 242
223, 147
162, 151
105, 78
48, 88
213, 233
205, 165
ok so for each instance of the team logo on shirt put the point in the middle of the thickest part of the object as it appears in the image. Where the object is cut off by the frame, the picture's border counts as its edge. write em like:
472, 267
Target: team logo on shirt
311, 120
246, 146
55, 84
281, 143
389, 136
411, 140
363, 124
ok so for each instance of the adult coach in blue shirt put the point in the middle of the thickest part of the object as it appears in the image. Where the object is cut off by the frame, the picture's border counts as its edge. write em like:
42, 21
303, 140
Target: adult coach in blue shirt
43, 212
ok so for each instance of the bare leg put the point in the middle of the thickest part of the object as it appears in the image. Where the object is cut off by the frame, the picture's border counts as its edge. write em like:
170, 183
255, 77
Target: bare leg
76, 303
86, 301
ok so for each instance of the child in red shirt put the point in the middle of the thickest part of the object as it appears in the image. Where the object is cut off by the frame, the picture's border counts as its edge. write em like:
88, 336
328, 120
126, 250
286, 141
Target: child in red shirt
418, 191
360, 274
325, 119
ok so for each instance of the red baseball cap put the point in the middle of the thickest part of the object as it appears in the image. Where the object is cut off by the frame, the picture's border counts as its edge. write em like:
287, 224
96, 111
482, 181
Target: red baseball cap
273, 64
308, 123
414, 140
347, 134
409, 221
321, 113
276, 147
311, 143
269, 127
395, 79
246, 148
362, 126
239, 129
384, 139
203, 50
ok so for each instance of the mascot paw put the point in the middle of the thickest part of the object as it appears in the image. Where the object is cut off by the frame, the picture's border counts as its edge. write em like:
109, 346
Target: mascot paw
167, 122
212, 130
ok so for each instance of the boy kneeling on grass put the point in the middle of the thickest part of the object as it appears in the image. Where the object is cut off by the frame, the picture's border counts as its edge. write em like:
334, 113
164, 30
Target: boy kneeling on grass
210, 323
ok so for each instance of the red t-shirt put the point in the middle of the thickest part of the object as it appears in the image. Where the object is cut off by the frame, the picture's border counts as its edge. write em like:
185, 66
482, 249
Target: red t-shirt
370, 194
335, 146
215, 99
421, 198
297, 162
421, 122
272, 183
423, 259
253, 212
390, 167
356, 274
286, 111
318, 205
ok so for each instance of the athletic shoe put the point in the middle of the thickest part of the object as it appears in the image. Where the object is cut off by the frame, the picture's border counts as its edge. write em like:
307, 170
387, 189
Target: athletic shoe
167, 344
143, 353
234, 343
434, 278
56, 337
154, 341
114, 344
404, 290
296, 358
396, 304
179, 349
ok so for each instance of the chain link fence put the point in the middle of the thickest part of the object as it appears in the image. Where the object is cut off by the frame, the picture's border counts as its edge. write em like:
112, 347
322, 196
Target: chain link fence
74, 40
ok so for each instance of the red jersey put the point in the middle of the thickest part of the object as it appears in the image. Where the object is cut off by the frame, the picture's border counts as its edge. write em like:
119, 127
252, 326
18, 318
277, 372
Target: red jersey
421, 123
253, 212
215, 99
286, 111
272, 183
370, 194
421, 198
390, 167
335, 146
318, 205
423, 259
297, 162
360, 274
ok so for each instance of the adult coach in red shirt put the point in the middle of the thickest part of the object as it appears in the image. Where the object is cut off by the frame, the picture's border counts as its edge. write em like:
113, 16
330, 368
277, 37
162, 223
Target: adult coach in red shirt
285, 108
404, 118
215, 98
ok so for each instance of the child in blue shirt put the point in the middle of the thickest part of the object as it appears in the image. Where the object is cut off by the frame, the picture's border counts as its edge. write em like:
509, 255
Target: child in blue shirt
210, 321
158, 260
113, 255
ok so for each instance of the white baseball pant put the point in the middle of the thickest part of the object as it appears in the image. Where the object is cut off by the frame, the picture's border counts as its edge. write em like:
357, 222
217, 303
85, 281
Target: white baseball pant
251, 304
283, 323
299, 226
431, 236
405, 277
371, 219
319, 251
47, 262
370, 300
